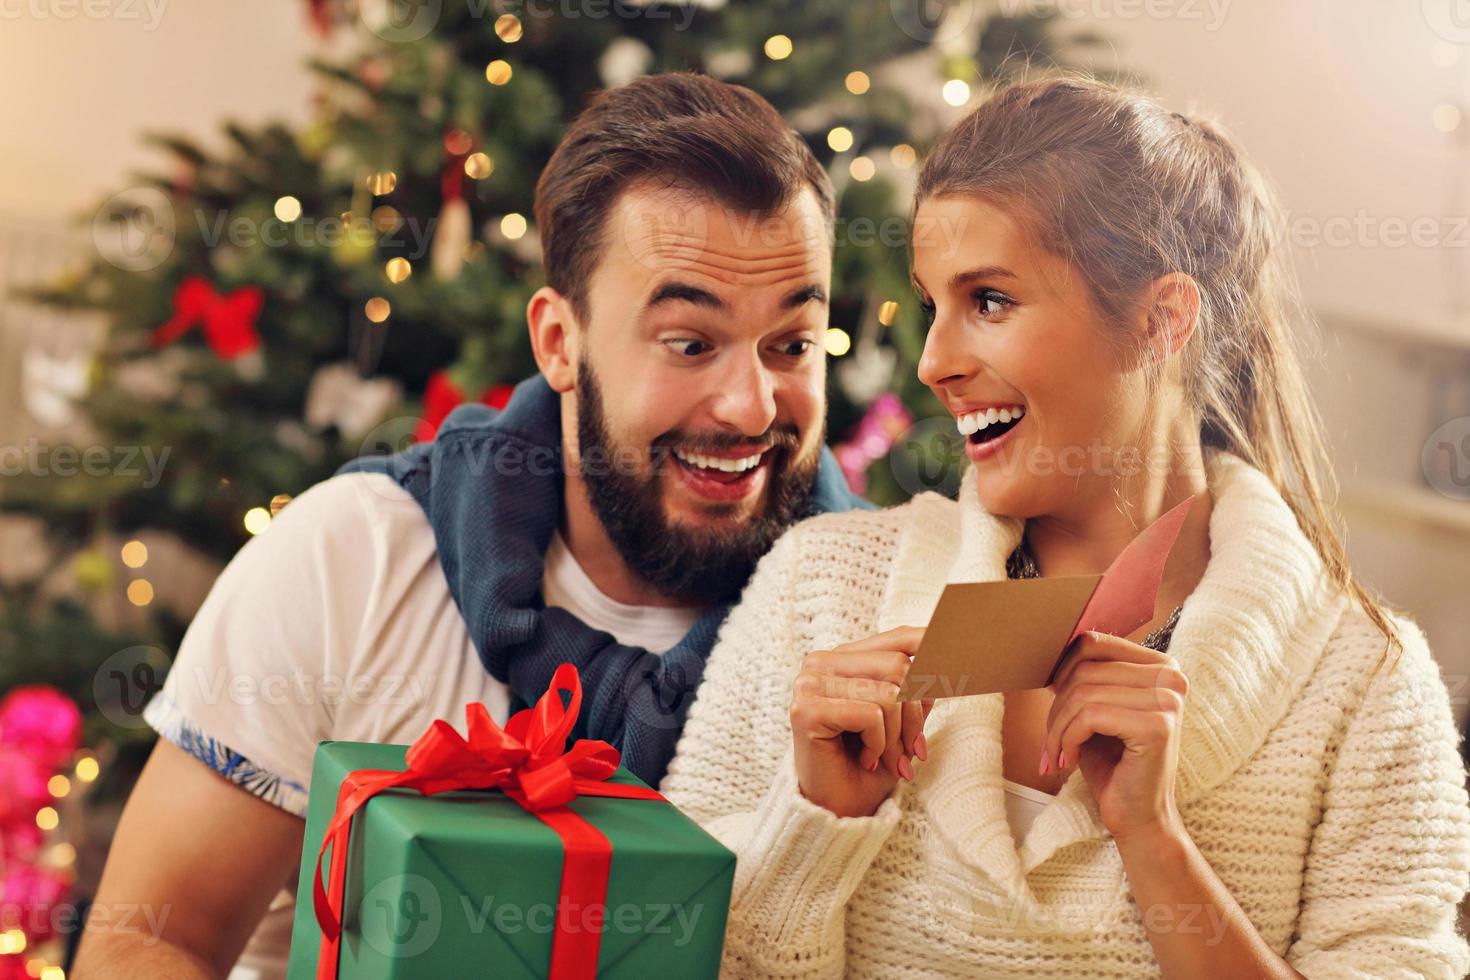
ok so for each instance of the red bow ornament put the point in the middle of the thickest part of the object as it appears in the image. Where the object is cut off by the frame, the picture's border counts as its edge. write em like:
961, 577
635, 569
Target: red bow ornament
229, 320
527, 761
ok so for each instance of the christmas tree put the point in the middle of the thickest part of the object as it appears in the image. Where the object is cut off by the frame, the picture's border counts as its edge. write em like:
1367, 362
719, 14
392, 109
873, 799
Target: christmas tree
302, 297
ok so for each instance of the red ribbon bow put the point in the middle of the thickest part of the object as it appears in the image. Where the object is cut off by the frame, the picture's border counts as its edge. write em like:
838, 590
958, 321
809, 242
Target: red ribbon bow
529, 763
229, 321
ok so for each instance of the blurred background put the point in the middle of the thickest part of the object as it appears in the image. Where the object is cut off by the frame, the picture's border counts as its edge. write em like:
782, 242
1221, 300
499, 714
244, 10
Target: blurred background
241, 244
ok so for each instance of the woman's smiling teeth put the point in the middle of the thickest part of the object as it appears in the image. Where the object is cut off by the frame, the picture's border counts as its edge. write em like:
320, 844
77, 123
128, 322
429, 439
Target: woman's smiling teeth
975, 421
715, 463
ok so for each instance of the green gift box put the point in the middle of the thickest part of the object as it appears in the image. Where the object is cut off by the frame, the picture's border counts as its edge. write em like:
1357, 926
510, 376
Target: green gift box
467, 883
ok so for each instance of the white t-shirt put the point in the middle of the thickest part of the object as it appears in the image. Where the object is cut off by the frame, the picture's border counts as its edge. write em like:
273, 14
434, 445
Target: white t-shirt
337, 623
565, 584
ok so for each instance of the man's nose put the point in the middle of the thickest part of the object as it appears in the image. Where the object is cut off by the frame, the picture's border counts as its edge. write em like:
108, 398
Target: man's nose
746, 400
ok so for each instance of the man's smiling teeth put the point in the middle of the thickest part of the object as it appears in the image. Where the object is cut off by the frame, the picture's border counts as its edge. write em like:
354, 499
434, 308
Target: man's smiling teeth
724, 465
975, 421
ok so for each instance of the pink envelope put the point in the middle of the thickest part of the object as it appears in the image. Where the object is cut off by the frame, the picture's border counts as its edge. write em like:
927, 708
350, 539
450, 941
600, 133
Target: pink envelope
1013, 635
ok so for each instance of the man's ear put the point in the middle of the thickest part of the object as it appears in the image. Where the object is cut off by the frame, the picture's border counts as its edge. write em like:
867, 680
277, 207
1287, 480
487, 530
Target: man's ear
1173, 313
555, 334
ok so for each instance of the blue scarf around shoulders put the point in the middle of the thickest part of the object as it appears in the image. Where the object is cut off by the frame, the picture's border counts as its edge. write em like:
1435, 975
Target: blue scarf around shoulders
490, 485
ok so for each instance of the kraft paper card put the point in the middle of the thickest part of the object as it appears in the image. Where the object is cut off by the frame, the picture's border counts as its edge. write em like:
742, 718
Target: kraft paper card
1012, 635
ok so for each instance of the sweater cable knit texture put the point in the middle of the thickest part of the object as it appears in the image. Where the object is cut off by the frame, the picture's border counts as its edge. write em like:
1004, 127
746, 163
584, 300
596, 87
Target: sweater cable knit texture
1329, 798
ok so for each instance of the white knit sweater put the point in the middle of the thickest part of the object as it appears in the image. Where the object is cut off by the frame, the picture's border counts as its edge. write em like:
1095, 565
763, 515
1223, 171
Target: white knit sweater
1331, 802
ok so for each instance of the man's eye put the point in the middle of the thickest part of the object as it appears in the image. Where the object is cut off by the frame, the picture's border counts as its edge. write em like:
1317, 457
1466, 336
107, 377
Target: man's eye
795, 348
688, 348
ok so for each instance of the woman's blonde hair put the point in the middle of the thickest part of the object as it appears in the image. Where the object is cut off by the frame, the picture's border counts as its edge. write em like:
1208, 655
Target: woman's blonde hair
1127, 191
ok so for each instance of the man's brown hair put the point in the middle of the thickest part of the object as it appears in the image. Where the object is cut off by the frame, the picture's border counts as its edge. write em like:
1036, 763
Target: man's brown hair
679, 130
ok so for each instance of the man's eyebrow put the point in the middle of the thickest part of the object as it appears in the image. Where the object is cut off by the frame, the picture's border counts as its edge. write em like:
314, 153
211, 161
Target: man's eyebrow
671, 292
963, 279
684, 292
810, 293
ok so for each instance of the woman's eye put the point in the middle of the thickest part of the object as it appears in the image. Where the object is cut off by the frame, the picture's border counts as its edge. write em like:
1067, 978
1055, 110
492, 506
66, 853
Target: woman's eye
688, 348
928, 310
992, 302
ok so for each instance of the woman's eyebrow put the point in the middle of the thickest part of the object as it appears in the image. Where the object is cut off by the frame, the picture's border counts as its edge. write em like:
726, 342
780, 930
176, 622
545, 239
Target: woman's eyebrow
961, 279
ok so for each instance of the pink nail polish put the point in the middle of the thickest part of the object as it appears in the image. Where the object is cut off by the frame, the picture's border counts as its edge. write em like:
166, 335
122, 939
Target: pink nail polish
921, 748
905, 769
1061, 761
1041, 769
874, 766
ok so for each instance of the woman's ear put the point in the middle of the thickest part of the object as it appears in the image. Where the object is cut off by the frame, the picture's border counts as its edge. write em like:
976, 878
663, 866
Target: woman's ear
554, 336
1173, 306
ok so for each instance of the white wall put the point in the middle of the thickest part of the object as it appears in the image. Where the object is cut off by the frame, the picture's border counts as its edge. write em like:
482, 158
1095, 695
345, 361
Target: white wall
1334, 99
79, 90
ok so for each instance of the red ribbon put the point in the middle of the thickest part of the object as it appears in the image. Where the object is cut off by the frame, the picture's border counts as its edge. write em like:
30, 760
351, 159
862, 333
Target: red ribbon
528, 762
229, 321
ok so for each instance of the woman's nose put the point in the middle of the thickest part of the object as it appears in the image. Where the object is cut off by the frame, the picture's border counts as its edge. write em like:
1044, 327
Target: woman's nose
946, 358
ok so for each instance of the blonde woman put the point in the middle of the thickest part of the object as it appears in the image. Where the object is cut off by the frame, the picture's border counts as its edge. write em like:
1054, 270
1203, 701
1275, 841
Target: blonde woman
1262, 782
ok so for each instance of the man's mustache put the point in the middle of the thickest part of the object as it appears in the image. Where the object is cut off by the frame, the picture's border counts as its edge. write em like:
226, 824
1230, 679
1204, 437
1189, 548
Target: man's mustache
783, 435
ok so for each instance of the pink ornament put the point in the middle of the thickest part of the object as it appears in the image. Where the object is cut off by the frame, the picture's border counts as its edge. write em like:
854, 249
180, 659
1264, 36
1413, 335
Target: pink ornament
32, 896
42, 722
854, 465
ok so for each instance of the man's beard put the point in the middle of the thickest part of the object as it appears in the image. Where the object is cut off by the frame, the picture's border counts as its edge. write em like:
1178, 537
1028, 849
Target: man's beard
697, 565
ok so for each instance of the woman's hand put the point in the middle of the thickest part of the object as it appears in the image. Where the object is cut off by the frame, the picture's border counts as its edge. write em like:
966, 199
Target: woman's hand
853, 738
1117, 712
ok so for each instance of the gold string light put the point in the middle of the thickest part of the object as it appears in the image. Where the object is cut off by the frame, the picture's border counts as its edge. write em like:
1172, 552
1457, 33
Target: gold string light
508, 28
385, 218
478, 166
257, 519
134, 554
778, 47
140, 592
513, 226
377, 309
498, 72
398, 269
857, 82
839, 138
836, 341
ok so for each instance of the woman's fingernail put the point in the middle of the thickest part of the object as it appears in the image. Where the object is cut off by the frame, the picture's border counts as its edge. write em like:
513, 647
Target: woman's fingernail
904, 769
1061, 761
874, 766
1041, 769
921, 748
